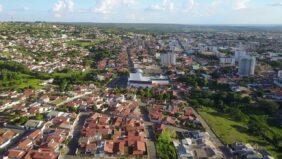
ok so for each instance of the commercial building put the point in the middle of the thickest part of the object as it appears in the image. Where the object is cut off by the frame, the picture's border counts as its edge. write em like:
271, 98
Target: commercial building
138, 80
247, 66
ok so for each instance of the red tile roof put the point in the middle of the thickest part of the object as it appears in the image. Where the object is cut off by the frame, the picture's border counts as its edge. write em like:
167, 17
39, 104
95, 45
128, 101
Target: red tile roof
109, 147
13, 153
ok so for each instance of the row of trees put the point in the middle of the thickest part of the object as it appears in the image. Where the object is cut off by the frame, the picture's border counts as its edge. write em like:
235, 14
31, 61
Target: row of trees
153, 93
13, 73
257, 127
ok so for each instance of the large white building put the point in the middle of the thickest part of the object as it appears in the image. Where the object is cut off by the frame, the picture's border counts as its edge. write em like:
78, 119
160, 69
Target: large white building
168, 59
247, 66
138, 80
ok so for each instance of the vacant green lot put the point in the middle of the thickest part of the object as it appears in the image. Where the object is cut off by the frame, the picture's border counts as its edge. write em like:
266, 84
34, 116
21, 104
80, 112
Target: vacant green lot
21, 84
85, 43
230, 131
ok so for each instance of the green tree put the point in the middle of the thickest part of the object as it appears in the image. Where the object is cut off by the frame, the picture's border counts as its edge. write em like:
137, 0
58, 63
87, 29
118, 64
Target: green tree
164, 146
23, 119
254, 127
268, 106
63, 85
39, 117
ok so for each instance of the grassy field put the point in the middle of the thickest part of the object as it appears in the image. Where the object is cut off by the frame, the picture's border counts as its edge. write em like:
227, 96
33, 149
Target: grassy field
22, 84
85, 43
34, 83
230, 131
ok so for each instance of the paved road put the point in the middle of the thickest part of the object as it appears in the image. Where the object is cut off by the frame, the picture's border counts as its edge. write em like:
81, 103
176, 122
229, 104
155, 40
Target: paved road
150, 142
73, 98
73, 144
130, 63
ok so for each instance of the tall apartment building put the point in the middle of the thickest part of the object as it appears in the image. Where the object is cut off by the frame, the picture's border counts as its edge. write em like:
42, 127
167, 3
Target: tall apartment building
239, 54
168, 59
278, 81
247, 66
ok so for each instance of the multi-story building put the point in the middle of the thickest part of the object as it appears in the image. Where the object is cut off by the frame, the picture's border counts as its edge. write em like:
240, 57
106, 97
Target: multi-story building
278, 81
247, 66
168, 59
227, 61
239, 54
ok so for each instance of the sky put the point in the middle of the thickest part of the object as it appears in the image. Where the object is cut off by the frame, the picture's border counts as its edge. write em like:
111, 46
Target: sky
144, 11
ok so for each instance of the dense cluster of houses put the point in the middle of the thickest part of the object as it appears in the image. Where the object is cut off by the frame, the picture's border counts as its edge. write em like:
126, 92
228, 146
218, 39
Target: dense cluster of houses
242, 150
112, 136
46, 140
174, 115
196, 144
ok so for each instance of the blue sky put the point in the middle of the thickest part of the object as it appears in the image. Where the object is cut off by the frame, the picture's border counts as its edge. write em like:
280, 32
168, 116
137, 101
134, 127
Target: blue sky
145, 11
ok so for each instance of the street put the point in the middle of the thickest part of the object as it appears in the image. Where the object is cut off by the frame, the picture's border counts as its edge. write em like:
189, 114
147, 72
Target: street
73, 144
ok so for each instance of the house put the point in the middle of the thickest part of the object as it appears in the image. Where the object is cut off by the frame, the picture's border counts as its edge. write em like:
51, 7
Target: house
6, 137
15, 154
170, 120
25, 144
54, 114
109, 147
35, 135
53, 145
41, 153
139, 148
32, 124
91, 148
44, 99
122, 148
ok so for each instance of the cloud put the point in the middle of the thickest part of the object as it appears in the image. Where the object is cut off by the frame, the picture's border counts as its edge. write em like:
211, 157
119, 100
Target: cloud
1, 7
275, 4
166, 5
240, 4
63, 6
107, 6
25, 8
130, 2
191, 4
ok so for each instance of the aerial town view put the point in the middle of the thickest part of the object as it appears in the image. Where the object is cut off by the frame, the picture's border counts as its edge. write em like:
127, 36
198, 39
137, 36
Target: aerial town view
160, 79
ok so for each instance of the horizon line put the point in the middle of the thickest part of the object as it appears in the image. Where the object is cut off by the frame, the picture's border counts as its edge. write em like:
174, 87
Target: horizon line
191, 24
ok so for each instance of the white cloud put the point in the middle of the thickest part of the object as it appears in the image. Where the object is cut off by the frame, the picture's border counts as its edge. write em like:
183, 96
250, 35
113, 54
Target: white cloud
63, 6
166, 5
107, 6
1, 7
25, 8
240, 4
130, 2
191, 4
